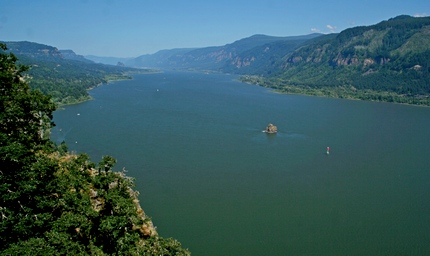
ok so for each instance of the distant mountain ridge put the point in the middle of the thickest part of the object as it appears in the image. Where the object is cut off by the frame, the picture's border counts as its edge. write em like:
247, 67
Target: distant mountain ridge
71, 55
62, 73
220, 58
259, 58
159, 59
33, 50
390, 60
106, 60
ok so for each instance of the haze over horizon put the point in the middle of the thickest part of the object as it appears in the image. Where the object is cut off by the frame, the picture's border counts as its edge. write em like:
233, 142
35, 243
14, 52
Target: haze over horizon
131, 28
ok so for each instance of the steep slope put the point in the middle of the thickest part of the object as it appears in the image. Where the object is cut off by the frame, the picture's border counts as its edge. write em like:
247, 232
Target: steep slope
389, 61
260, 59
34, 50
106, 60
71, 55
68, 78
160, 59
215, 57
56, 203
227, 58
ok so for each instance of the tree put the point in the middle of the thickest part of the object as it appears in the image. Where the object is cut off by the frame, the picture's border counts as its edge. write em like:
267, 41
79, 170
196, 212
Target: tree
25, 119
25, 115
56, 203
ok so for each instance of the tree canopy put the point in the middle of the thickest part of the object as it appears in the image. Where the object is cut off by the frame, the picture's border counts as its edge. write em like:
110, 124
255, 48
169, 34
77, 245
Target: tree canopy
56, 203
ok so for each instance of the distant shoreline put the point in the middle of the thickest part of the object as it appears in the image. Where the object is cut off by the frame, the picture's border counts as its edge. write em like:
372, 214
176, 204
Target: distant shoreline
109, 79
340, 93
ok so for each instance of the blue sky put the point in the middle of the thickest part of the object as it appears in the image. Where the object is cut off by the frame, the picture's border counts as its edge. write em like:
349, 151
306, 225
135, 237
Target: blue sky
129, 28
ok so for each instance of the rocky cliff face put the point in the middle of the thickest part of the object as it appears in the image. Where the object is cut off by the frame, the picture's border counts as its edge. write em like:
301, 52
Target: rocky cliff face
388, 61
71, 55
242, 62
34, 50
378, 44
229, 58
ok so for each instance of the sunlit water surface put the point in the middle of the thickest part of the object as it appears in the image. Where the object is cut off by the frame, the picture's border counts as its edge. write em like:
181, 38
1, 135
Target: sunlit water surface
210, 178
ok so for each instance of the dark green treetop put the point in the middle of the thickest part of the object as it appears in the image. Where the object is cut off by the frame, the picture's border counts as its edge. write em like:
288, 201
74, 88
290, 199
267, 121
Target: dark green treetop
56, 203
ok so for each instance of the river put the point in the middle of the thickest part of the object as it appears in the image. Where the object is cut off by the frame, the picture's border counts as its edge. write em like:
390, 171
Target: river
209, 177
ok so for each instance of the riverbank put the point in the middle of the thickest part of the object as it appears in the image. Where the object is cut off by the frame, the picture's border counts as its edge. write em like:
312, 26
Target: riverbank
108, 79
198, 142
341, 92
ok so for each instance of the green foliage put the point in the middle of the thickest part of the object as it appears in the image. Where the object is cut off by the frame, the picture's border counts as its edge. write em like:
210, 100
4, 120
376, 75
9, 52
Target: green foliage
25, 117
389, 61
63, 149
260, 59
56, 203
66, 80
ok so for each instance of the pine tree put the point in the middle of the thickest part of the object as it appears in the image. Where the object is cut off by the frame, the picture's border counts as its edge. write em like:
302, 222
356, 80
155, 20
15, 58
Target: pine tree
56, 203
25, 119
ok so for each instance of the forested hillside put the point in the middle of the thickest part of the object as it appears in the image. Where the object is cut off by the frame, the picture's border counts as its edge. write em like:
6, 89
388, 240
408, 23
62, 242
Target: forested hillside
71, 55
66, 79
389, 61
56, 203
260, 58
237, 57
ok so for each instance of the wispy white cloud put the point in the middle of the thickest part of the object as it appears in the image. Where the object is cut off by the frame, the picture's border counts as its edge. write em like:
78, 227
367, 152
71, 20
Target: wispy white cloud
421, 15
331, 28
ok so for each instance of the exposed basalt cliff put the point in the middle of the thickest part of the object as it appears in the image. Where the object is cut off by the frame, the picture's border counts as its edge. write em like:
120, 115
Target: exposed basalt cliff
57, 203
146, 228
242, 62
387, 61
242, 56
100, 196
71, 55
377, 44
34, 50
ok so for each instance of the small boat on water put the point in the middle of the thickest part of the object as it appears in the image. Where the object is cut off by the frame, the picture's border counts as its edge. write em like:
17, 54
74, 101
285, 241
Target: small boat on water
328, 150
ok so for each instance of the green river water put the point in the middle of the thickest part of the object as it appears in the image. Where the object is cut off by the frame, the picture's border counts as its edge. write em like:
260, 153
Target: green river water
209, 177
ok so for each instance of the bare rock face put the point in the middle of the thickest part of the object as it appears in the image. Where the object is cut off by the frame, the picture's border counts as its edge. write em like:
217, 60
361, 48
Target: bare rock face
271, 129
